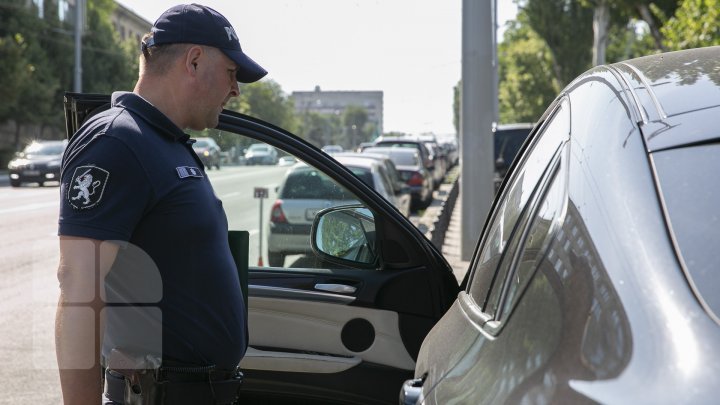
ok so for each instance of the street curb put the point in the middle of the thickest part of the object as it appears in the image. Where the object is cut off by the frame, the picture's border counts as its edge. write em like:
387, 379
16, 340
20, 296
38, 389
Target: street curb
436, 218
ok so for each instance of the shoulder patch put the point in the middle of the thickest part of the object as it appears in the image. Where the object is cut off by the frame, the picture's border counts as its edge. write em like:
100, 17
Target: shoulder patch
87, 186
188, 171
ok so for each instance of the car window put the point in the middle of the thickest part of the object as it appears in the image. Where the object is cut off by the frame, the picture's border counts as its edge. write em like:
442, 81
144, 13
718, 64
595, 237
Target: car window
687, 178
491, 266
279, 224
546, 218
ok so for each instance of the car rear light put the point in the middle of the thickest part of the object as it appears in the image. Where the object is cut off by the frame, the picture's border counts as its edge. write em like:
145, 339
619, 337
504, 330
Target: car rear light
276, 213
415, 180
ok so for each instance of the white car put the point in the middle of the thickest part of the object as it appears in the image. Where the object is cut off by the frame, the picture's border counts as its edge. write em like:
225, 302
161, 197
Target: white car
378, 172
303, 192
261, 154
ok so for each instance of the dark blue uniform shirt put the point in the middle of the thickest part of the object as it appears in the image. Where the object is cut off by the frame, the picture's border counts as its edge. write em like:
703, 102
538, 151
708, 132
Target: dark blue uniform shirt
130, 176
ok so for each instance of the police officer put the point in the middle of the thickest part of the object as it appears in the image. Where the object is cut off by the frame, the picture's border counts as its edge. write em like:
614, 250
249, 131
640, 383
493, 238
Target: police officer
149, 289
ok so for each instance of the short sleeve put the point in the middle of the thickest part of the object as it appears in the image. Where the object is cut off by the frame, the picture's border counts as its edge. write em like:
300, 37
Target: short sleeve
104, 191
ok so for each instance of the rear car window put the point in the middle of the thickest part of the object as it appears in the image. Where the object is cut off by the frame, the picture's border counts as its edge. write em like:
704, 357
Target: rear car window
312, 184
689, 187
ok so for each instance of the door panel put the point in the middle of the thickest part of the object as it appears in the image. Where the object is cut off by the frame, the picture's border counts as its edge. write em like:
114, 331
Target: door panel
309, 326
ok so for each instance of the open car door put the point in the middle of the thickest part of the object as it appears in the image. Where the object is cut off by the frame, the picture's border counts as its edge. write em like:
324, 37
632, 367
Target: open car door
325, 331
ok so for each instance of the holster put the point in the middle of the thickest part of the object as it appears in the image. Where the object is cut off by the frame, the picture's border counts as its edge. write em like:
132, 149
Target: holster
147, 383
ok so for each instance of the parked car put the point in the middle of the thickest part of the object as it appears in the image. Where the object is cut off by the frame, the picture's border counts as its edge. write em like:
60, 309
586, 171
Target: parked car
38, 163
595, 278
508, 138
429, 159
410, 170
303, 192
375, 171
208, 151
261, 154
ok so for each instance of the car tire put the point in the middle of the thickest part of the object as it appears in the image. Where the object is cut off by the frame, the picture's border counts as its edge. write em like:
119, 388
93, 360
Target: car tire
276, 259
15, 183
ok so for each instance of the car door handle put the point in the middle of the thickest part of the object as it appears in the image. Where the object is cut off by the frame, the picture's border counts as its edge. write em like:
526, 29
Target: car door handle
336, 288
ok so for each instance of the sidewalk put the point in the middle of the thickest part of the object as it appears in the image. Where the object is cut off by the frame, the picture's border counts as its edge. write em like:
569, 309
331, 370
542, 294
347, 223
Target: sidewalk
441, 222
451, 243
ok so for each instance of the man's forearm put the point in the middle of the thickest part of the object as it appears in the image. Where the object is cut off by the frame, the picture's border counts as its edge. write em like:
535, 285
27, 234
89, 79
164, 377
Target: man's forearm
77, 348
78, 325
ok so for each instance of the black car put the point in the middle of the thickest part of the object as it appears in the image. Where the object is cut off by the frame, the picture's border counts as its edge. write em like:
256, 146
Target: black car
507, 139
38, 163
596, 276
208, 151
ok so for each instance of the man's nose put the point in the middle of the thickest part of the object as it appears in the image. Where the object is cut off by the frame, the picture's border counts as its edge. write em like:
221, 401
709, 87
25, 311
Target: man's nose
234, 89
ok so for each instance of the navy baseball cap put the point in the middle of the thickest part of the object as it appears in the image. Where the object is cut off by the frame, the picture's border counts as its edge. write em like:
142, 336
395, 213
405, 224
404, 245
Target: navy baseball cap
201, 25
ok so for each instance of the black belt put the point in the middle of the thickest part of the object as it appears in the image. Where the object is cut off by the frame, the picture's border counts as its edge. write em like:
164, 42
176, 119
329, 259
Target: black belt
175, 385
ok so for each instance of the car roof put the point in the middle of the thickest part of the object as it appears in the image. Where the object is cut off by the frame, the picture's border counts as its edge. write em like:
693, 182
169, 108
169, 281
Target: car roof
357, 161
676, 95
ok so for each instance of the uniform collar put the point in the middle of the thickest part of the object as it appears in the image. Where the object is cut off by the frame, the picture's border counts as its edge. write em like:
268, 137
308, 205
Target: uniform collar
149, 113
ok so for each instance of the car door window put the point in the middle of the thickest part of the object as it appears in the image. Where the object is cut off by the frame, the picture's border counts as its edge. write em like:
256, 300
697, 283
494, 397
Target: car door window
280, 222
494, 260
546, 218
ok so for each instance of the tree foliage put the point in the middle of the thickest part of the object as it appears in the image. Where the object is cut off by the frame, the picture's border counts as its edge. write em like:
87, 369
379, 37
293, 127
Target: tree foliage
527, 84
37, 55
696, 23
566, 28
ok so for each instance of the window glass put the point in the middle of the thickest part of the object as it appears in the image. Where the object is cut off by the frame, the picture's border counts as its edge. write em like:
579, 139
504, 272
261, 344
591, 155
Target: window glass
280, 224
491, 266
534, 245
688, 182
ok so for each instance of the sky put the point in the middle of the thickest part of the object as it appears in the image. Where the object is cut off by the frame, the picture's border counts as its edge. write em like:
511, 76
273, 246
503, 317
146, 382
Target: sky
409, 49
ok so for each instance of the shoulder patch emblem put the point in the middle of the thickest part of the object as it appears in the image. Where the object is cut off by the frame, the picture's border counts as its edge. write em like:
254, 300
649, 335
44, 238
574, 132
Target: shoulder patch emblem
188, 171
87, 186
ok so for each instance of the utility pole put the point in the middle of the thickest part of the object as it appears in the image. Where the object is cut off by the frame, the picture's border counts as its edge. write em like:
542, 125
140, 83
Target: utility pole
79, 6
477, 111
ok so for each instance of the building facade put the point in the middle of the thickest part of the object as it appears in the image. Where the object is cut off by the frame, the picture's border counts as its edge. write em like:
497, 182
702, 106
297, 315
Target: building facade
335, 102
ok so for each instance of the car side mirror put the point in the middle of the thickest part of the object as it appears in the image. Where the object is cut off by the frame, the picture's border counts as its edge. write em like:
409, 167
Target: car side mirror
345, 235
500, 164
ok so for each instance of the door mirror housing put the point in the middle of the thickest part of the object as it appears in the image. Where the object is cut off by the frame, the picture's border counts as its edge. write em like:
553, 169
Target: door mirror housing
345, 235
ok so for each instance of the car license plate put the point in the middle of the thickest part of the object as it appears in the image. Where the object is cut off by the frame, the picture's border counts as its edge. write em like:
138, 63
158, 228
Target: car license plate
310, 213
31, 173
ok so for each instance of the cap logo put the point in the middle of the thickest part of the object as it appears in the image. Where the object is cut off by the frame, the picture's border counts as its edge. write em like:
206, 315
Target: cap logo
231, 34
89, 181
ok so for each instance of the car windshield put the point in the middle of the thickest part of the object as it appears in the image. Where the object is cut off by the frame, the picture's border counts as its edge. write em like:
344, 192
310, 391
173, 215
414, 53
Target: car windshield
686, 177
44, 149
258, 148
201, 144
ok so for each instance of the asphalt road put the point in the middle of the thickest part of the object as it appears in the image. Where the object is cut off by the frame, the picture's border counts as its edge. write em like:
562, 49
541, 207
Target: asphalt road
28, 264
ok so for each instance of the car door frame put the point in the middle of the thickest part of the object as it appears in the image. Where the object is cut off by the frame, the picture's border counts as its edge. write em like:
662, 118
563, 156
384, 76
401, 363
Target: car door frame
427, 276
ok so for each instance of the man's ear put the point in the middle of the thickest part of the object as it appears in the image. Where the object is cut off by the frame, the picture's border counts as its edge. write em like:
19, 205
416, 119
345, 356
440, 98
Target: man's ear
193, 57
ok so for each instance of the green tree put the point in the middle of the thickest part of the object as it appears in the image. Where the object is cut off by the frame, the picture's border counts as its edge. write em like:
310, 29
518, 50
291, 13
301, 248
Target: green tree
354, 120
696, 23
527, 84
321, 129
108, 65
566, 28
33, 79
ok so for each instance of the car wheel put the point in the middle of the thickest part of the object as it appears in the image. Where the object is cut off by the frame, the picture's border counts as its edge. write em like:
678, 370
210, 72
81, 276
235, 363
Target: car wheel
15, 183
41, 184
276, 259
217, 165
